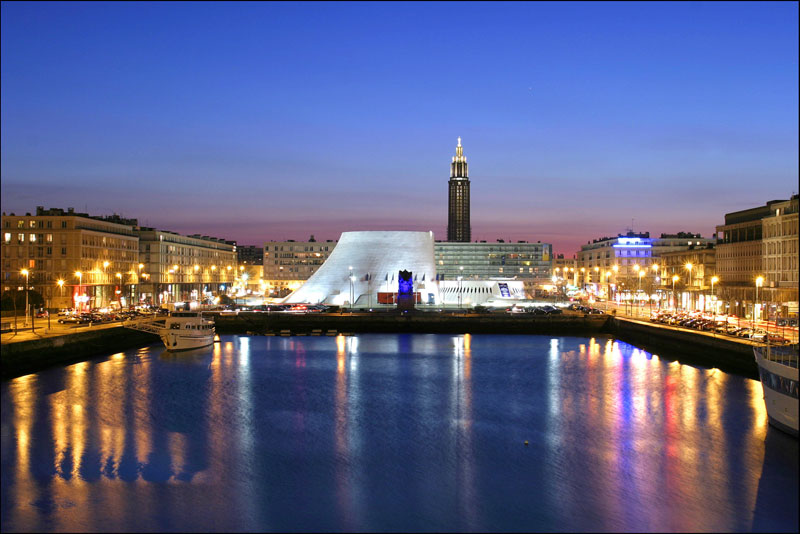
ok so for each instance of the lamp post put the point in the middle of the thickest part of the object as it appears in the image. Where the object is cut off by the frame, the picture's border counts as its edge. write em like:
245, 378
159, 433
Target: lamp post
80, 281
655, 279
350, 278
119, 291
26, 273
608, 288
105, 265
138, 281
641, 274
675, 278
60, 283
714, 280
615, 268
460, 284
759, 283
689, 283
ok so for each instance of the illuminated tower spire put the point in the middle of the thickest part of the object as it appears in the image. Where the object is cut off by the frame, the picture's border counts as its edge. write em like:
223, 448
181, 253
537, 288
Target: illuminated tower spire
458, 227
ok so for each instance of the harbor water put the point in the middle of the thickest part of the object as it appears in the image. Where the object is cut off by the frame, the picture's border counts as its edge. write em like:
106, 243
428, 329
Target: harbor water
393, 432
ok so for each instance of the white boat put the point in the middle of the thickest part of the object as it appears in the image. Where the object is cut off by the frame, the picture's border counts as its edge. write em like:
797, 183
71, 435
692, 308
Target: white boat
777, 367
185, 330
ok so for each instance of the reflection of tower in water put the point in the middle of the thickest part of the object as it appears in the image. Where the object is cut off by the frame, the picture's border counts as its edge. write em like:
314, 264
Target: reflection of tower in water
461, 399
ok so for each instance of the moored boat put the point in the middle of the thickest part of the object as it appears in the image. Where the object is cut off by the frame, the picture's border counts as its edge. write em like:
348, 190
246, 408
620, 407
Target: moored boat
777, 368
185, 330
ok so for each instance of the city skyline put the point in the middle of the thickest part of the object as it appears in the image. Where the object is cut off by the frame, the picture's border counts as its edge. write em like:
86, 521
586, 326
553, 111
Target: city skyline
264, 122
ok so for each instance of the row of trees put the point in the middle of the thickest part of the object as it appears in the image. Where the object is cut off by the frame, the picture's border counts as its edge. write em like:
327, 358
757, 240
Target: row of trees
15, 300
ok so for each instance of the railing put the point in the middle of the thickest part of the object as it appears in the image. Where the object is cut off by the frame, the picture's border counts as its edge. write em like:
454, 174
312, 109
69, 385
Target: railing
145, 325
782, 354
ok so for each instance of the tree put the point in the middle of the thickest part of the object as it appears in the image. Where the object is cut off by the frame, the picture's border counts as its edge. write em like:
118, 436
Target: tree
8, 298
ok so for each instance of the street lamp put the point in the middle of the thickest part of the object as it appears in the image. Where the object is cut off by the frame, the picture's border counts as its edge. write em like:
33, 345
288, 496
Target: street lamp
759, 283
641, 274
460, 284
80, 281
60, 283
352, 280
26, 273
655, 280
119, 277
675, 278
714, 280
689, 283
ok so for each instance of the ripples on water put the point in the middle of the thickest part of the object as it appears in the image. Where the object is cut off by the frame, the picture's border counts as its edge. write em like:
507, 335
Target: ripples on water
393, 432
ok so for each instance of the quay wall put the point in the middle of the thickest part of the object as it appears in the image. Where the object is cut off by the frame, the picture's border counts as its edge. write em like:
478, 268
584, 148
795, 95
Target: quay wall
262, 323
35, 355
732, 355
687, 346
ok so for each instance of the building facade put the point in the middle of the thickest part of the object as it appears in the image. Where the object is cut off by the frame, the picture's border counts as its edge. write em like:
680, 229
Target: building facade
458, 221
628, 262
73, 260
178, 268
758, 272
530, 263
288, 264
695, 281
779, 246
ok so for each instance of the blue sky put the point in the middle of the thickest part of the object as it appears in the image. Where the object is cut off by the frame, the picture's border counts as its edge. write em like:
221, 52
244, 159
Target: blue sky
272, 121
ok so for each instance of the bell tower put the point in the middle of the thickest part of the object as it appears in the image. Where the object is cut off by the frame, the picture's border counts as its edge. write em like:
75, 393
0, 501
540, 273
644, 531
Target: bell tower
458, 228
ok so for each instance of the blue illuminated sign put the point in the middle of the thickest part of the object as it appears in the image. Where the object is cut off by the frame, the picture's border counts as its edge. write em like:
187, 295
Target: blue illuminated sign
632, 242
405, 283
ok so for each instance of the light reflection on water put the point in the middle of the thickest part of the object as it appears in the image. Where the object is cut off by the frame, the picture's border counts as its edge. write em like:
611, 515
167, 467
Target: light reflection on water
393, 432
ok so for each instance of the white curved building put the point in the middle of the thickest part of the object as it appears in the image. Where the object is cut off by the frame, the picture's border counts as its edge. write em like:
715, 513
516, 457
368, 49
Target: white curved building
366, 263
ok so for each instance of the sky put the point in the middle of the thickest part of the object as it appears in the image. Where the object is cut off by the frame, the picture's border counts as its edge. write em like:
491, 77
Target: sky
272, 121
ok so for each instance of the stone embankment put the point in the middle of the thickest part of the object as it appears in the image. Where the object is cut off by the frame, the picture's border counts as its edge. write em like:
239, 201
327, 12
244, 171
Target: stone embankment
687, 346
33, 355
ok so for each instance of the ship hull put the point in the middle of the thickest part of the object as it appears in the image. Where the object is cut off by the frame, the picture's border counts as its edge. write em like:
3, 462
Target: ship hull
780, 384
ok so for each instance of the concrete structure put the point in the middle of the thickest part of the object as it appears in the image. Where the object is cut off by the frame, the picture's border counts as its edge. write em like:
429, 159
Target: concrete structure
469, 293
364, 264
741, 255
54, 245
288, 264
458, 221
183, 268
530, 263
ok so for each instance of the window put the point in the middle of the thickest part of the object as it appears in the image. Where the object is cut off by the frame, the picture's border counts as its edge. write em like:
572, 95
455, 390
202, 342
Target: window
32, 238
20, 238
7, 237
63, 224
32, 224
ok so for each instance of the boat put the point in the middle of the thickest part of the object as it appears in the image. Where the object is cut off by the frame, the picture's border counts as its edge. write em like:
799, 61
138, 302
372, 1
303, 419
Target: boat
186, 330
777, 368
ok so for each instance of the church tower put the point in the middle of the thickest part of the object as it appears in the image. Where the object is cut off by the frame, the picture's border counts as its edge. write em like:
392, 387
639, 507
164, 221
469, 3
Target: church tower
458, 228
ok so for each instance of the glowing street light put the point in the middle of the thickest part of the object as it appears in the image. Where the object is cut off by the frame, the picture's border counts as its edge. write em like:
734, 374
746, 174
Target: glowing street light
61, 286
759, 283
80, 281
714, 280
675, 278
26, 273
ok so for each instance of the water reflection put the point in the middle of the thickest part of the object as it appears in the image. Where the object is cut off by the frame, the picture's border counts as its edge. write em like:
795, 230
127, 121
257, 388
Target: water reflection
392, 433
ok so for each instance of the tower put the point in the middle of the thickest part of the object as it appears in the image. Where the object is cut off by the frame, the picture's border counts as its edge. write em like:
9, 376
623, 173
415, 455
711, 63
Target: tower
458, 228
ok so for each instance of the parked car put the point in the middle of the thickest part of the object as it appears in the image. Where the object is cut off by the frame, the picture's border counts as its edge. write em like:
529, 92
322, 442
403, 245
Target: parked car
72, 319
776, 339
42, 313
